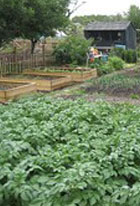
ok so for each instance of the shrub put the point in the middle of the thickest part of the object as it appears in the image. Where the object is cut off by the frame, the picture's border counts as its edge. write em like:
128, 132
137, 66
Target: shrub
138, 53
116, 62
105, 69
72, 50
129, 56
96, 64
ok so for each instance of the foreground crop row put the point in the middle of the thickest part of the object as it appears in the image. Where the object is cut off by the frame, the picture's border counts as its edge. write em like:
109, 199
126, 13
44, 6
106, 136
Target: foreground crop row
64, 153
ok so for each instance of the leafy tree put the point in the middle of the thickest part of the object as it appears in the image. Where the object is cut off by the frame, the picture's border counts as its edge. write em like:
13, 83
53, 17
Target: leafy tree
84, 20
74, 29
72, 50
134, 16
43, 18
9, 26
32, 19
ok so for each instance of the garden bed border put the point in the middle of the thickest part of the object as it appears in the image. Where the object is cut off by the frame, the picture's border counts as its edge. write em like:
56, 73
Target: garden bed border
75, 77
12, 93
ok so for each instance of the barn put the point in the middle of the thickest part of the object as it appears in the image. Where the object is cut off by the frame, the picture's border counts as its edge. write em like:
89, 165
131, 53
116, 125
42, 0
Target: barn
108, 35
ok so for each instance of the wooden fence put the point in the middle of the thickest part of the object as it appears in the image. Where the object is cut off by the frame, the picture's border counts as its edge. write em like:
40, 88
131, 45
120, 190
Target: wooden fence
17, 62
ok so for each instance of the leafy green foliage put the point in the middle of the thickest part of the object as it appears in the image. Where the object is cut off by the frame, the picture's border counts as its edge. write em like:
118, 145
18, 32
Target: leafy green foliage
65, 153
72, 50
116, 62
105, 68
118, 84
9, 11
134, 15
43, 17
32, 19
129, 56
84, 20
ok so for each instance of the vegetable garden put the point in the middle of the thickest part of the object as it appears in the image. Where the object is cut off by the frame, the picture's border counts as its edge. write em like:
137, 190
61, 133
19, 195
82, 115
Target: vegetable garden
125, 83
44, 82
69, 153
64, 148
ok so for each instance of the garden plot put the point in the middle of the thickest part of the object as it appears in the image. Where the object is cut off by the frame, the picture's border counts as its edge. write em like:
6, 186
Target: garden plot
123, 84
10, 90
44, 82
118, 87
77, 75
58, 151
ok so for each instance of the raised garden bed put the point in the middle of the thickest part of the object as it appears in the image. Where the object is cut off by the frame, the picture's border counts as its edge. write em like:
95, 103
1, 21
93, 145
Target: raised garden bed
11, 89
45, 82
76, 75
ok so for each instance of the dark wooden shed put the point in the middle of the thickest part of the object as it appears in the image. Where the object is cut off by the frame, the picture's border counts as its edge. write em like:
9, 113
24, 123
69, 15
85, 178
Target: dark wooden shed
108, 35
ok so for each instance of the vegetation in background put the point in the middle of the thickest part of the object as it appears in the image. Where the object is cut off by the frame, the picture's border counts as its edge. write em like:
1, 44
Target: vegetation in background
114, 63
69, 153
32, 19
10, 15
74, 29
105, 68
134, 16
84, 20
42, 18
126, 84
72, 50
129, 56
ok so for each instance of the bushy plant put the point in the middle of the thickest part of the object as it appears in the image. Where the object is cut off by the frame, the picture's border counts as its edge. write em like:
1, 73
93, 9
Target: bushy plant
105, 68
69, 153
129, 56
72, 50
96, 64
138, 53
116, 62
117, 52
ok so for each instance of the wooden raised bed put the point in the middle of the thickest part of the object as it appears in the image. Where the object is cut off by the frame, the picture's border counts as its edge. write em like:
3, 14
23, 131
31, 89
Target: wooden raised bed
11, 89
79, 76
46, 83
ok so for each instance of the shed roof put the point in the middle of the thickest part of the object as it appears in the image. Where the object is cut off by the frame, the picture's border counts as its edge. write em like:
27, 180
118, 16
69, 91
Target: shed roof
107, 26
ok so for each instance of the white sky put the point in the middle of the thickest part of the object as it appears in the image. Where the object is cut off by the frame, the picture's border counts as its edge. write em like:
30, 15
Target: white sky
106, 7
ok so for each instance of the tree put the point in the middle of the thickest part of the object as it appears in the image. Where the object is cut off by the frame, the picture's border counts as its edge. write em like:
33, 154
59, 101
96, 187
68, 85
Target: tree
10, 16
74, 29
31, 19
43, 18
134, 16
84, 20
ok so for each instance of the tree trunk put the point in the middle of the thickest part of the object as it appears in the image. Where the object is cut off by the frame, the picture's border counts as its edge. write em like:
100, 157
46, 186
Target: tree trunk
33, 43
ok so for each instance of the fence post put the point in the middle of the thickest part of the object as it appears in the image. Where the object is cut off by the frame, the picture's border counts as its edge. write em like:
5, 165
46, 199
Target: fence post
15, 59
43, 53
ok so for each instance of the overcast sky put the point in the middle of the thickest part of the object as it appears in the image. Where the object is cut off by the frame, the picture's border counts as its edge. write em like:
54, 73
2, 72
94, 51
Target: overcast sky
106, 7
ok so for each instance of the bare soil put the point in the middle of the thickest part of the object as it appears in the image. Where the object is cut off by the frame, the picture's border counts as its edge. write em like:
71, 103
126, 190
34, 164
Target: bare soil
112, 95
34, 77
6, 86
